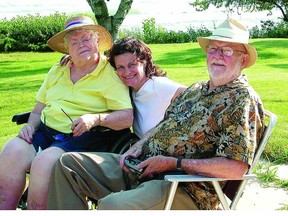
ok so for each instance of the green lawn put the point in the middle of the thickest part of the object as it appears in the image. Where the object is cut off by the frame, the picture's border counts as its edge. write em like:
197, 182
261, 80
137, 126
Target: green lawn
21, 75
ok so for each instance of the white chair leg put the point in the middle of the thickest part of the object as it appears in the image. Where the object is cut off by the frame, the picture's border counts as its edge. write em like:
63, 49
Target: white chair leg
171, 195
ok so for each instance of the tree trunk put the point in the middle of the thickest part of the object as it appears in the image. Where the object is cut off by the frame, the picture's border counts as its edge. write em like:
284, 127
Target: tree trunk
111, 23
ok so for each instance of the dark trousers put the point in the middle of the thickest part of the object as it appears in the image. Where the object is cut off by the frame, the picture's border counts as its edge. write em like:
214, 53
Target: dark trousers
98, 139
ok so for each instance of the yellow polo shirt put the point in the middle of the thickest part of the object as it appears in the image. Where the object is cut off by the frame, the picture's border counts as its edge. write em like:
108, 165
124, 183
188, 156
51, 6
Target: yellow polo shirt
101, 91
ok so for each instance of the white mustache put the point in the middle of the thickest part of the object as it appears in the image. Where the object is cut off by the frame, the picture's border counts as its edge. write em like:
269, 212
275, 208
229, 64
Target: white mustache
215, 61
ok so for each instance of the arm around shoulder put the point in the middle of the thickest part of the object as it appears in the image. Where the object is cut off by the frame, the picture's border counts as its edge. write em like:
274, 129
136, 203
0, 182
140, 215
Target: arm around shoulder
179, 91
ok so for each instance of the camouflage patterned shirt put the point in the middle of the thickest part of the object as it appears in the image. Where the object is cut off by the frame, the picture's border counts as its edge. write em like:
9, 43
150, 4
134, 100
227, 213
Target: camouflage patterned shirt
225, 122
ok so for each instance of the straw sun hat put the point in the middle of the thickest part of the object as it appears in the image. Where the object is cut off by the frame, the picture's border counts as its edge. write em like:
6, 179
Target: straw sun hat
76, 23
231, 31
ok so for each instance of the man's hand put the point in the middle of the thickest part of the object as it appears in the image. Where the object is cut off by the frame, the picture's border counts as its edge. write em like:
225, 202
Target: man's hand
156, 165
134, 151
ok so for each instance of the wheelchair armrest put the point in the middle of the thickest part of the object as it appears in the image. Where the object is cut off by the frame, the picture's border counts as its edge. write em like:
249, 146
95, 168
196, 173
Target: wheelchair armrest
21, 118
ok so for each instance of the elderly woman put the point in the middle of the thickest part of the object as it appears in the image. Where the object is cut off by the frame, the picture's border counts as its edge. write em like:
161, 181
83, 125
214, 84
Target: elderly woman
72, 100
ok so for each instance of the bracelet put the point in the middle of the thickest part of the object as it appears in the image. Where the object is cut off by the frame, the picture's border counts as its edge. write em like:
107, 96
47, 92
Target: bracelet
100, 120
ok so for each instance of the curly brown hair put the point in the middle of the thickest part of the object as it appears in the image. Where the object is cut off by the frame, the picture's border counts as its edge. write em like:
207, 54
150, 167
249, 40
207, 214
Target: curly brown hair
137, 48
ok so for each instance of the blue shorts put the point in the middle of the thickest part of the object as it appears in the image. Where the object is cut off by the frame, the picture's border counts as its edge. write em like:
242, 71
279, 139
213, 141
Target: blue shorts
97, 139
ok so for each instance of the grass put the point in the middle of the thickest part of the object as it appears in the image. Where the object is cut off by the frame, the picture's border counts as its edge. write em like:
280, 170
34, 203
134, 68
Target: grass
22, 74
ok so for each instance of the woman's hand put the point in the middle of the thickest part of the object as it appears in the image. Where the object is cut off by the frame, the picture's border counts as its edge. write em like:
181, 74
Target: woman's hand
64, 60
26, 133
83, 124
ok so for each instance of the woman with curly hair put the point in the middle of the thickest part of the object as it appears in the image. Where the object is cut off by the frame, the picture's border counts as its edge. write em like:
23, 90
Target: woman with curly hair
151, 91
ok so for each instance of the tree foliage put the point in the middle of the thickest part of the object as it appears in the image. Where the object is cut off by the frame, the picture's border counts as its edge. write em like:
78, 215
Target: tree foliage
111, 23
245, 5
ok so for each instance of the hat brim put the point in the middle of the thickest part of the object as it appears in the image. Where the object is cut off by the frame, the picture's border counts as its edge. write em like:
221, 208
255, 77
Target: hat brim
57, 43
204, 41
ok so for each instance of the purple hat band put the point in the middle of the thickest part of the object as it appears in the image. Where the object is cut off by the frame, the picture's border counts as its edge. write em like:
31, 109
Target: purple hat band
76, 23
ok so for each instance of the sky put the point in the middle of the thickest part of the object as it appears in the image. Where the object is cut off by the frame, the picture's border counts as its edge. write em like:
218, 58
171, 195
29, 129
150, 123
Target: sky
172, 16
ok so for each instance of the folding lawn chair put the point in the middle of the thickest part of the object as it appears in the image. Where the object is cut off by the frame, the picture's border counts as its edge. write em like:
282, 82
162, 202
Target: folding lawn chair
234, 188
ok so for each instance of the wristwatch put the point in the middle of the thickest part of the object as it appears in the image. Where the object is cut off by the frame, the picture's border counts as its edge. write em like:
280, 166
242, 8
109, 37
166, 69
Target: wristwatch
178, 165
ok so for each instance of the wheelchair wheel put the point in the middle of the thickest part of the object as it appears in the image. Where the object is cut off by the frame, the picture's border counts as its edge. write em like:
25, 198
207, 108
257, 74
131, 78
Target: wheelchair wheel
124, 143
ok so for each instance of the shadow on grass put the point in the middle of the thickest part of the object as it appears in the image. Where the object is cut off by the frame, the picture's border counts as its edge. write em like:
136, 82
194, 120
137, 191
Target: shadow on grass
268, 49
189, 57
9, 70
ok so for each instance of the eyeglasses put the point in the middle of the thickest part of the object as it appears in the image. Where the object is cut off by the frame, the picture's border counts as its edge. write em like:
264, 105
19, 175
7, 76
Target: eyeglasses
226, 51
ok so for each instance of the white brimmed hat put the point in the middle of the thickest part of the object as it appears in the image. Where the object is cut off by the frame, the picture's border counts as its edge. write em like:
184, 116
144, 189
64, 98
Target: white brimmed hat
231, 31
80, 22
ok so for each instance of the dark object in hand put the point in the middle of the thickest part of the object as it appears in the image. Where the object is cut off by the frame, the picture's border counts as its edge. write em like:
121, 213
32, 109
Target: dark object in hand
132, 163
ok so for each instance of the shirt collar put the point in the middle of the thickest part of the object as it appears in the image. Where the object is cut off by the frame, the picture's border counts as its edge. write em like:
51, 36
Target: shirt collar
101, 64
241, 81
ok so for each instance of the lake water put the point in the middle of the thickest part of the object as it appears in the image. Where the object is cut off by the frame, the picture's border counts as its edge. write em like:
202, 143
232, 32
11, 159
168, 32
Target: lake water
167, 13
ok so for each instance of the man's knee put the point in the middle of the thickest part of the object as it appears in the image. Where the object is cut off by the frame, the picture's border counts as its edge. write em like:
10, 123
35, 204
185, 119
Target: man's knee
67, 158
150, 195
69, 161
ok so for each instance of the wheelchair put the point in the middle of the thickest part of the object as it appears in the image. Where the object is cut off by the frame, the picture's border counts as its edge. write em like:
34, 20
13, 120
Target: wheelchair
120, 144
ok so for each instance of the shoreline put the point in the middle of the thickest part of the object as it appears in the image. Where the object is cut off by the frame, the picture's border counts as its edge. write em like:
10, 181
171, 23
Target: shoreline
164, 12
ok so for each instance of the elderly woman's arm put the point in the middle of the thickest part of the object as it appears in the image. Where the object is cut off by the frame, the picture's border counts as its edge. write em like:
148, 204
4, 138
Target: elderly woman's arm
33, 123
116, 120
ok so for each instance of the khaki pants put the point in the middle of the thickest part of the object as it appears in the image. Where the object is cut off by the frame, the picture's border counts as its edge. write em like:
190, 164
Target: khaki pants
77, 176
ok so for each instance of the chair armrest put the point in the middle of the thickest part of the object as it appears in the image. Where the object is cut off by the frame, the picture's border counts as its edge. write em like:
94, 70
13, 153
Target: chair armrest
198, 178
21, 118
175, 179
